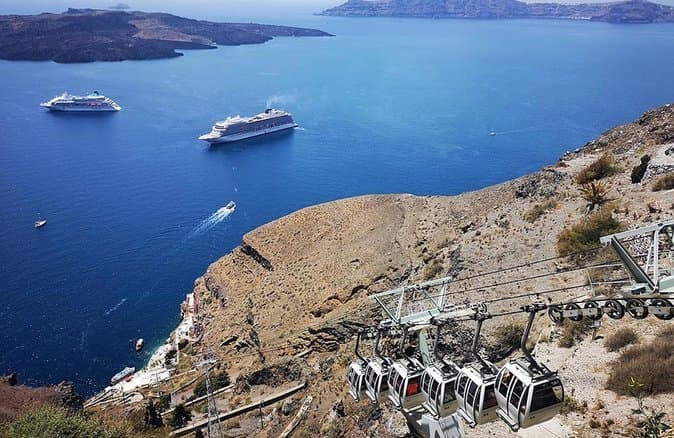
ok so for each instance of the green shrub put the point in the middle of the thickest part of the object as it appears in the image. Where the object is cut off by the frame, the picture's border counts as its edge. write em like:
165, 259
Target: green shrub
650, 364
181, 416
49, 422
622, 337
539, 210
585, 234
602, 168
665, 182
639, 170
219, 380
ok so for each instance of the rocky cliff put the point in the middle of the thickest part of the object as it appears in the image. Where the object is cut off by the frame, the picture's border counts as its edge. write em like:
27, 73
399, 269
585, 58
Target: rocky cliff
631, 11
86, 35
299, 286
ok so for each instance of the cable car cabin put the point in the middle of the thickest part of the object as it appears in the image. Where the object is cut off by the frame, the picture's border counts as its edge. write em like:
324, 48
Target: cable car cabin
376, 379
437, 385
404, 383
475, 395
526, 397
356, 376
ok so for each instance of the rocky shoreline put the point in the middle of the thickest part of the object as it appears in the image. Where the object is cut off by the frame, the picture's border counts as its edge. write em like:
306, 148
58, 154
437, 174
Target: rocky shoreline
87, 35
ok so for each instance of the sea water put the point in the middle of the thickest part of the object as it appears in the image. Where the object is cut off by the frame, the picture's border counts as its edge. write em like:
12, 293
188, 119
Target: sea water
132, 199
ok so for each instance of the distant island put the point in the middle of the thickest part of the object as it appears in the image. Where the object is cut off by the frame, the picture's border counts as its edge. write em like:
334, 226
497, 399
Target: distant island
86, 35
631, 11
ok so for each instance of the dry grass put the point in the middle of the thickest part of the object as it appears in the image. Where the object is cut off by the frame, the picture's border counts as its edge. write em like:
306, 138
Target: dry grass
539, 210
665, 182
650, 364
623, 337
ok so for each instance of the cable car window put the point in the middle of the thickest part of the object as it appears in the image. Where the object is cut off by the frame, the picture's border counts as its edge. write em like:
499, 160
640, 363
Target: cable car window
525, 398
435, 385
462, 385
413, 386
472, 390
547, 394
517, 392
489, 397
449, 394
426, 383
506, 377
384, 385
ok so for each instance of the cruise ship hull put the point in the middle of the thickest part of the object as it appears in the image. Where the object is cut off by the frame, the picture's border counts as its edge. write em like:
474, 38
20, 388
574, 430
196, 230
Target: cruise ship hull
243, 135
106, 109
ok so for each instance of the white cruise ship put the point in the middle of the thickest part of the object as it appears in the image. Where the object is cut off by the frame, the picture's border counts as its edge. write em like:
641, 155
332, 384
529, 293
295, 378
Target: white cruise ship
237, 127
90, 103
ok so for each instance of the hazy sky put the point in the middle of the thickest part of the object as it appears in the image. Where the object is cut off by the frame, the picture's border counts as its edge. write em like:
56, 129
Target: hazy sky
205, 9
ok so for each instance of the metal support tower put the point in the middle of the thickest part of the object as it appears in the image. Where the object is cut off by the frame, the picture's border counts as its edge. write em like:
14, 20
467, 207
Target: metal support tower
214, 427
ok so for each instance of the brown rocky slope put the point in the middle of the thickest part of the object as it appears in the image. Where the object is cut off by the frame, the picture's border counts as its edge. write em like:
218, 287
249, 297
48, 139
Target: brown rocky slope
283, 305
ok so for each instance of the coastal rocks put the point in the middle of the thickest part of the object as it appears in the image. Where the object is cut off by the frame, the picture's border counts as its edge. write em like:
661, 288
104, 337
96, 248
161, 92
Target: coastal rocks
273, 375
661, 163
255, 255
16, 399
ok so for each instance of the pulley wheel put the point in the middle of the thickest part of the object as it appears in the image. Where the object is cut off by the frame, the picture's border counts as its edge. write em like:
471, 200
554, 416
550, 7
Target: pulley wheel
593, 305
662, 303
555, 314
636, 308
574, 306
614, 309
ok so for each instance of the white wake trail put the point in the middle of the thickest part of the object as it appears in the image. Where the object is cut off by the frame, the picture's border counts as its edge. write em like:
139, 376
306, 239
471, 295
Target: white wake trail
218, 216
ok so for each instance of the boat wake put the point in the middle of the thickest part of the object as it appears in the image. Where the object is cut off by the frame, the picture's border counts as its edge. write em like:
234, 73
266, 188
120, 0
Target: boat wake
115, 307
211, 221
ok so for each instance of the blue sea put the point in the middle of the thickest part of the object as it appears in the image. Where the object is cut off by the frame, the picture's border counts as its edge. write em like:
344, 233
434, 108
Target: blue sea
385, 106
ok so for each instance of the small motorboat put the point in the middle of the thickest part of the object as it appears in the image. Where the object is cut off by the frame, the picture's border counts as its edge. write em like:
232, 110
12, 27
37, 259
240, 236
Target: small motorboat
139, 344
492, 133
40, 223
231, 206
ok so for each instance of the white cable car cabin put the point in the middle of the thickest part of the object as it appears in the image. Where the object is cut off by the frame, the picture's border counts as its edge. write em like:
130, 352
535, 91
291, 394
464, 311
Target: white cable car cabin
356, 372
527, 397
376, 379
475, 394
404, 383
527, 392
356, 376
474, 388
437, 385
376, 374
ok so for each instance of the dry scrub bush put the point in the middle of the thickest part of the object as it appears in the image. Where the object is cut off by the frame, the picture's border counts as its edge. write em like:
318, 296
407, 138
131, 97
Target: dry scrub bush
602, 168
585, 234
432, 270
595, 193
571, 332
510, 334
622, 337
650, 364
539, 210
665, 182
